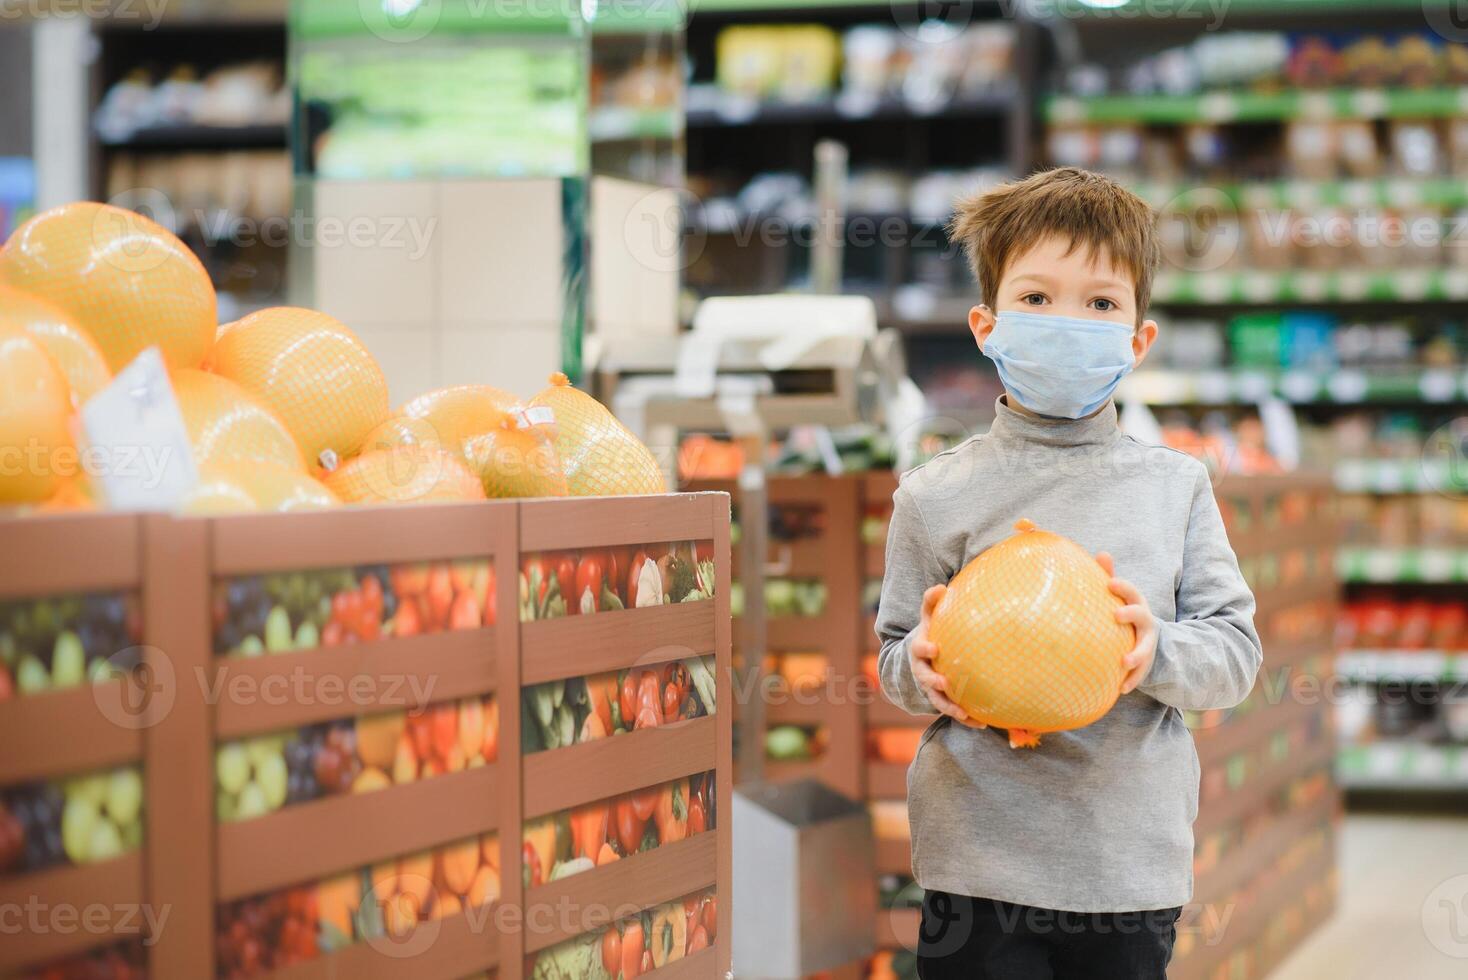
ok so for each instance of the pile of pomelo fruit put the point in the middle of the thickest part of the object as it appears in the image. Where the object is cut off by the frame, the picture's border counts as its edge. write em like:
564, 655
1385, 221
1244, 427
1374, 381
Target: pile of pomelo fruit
285, 409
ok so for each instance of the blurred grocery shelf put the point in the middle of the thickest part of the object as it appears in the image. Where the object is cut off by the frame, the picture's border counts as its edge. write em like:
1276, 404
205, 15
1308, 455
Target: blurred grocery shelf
1343, 386
1227, 107
1403, 565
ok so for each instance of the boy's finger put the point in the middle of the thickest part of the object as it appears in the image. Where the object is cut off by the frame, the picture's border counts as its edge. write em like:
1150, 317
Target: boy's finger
931, 598
1108, 565
1132, 679
1127, 591
1133, 614
969, 722
944, 706
924, 649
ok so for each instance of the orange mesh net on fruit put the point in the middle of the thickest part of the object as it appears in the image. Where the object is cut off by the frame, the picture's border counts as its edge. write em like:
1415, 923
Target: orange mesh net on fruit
405, 475
71, 347
126, 280
1028, 639
313, 372
225, 421
517, 461
35, 405
600, 455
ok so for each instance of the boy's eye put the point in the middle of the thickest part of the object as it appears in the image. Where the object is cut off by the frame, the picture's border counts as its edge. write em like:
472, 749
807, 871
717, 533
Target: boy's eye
1103, 304
1033, 299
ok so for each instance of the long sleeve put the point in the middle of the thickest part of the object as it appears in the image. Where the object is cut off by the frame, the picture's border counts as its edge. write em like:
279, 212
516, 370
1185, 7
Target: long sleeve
912, 569
1209, 657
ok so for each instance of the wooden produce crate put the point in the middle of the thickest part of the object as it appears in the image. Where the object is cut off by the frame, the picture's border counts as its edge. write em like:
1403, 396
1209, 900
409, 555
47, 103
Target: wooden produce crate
831, 557
355, 802
1269, 807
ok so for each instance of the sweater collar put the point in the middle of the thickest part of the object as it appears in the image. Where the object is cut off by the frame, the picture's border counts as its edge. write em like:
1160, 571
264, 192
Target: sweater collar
1012, 426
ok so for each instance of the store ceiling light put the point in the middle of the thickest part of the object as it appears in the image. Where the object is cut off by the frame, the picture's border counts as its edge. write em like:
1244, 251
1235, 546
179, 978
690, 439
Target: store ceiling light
1104, 4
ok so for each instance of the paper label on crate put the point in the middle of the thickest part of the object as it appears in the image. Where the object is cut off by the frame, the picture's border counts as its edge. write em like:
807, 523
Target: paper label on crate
136, 436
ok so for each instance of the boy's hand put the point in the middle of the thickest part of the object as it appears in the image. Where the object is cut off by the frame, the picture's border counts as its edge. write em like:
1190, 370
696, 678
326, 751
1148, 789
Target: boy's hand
1136, 612
921, 652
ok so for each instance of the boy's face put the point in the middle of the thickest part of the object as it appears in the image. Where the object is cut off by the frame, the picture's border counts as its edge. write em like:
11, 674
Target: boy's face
1055, 279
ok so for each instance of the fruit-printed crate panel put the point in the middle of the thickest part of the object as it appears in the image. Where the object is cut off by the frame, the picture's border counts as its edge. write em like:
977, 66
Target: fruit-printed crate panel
68, 701
652, 942
597, 834
560, 713
554, 584
123, 960
328, 607
401, 906
351, 756
73, 821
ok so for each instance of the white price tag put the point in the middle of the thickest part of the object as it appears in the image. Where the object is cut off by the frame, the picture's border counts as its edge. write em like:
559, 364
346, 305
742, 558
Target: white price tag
136, 440
1310, 286
1369, 103
1218, 107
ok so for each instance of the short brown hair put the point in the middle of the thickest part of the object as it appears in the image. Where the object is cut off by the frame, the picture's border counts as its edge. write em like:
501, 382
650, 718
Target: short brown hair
1087, 209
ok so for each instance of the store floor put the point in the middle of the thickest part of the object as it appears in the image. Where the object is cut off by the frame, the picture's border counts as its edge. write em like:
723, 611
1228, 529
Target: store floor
1391, 868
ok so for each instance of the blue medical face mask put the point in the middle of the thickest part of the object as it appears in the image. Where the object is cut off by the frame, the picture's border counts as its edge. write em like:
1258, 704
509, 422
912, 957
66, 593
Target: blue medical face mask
1061, 366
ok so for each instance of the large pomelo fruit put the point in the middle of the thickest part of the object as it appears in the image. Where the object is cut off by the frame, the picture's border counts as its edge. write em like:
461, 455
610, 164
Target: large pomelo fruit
36, 449
126, 280
1027, 637
225, 421
405, 475
313, 373
71, 347
600, 455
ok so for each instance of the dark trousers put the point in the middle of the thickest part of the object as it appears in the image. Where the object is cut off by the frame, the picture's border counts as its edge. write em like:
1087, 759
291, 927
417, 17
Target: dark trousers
980, 939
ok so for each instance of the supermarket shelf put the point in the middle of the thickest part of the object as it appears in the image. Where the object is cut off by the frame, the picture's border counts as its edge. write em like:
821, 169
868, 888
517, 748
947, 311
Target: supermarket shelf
893, 856
1272, 599
886, 780
617, 521
202, 138
451, 664
1239, 734
1371, 666
874, 559
52, 733
579, 646
804, 708
735, 111
559, 779
898, 928
1403, 765
789, 770
1343, 386
1225, 107
251, 860
460, 945
1399, 476
884, 712
608, 124
1387, 565
1260, 787
1252, 919
703, 965
612, 891
801, 558
796, 632
1240, 865
1264, 287
1385, 192
116, 885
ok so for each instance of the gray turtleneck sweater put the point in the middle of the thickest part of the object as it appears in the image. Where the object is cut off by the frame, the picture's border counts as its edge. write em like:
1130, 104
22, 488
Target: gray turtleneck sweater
1098, 819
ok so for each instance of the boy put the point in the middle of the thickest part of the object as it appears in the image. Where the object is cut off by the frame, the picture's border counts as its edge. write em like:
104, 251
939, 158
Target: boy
1069, 861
